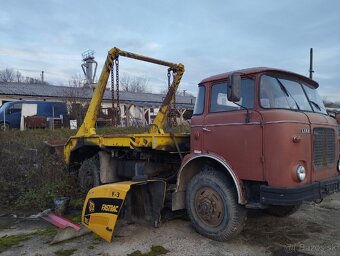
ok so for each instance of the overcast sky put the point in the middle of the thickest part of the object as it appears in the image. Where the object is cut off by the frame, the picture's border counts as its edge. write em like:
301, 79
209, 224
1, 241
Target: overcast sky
208, 37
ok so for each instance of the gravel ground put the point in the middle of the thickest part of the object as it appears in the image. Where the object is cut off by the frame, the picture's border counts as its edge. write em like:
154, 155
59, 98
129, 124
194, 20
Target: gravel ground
313, 230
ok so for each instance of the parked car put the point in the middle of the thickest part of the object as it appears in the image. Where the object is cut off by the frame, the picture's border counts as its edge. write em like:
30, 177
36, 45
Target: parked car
10, 112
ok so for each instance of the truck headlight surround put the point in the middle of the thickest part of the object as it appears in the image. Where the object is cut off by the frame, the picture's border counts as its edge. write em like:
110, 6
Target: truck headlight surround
338, 166
301, 172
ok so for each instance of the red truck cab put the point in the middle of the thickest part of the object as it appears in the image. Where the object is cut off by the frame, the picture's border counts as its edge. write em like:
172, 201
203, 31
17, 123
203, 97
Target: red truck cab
267, 132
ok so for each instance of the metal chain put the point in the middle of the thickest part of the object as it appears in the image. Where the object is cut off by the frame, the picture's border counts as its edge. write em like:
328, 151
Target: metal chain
172, 122
117, 92
173, 80
112, 88
117, 80
169, 79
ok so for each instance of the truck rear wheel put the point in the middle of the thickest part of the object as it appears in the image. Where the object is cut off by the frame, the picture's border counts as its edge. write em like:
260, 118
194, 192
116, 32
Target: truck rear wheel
211, 201
282, 210
88, 175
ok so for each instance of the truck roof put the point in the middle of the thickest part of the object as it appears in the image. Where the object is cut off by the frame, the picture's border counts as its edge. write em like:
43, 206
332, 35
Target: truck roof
257, 70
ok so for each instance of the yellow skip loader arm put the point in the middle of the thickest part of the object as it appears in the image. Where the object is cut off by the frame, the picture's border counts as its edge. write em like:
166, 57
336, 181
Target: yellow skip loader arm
105, 203
88, 126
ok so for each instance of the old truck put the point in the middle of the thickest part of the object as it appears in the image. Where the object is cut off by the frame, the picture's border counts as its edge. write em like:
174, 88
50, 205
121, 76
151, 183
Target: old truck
260, 138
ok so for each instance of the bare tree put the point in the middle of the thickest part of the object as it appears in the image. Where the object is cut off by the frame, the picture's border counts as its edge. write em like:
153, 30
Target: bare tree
133, 84
76, 81
178, 92
75, 100
7, 75
18, 76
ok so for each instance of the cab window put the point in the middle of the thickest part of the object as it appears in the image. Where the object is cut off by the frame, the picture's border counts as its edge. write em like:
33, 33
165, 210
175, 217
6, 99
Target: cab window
199, 105
219, 97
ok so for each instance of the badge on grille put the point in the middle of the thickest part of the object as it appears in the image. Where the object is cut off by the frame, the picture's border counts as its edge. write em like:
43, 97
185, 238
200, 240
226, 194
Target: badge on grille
305, 130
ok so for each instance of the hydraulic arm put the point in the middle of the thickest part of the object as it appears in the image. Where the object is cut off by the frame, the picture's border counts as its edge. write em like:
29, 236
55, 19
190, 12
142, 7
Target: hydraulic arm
88, 126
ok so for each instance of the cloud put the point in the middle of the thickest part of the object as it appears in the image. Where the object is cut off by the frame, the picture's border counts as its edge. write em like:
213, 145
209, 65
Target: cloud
10, 52
208, 38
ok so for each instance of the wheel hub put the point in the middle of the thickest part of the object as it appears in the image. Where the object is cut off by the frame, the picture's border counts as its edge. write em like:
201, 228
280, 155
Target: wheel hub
209, 206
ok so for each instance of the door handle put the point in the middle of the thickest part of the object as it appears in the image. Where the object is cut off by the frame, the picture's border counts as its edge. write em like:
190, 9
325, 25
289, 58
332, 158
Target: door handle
206, 129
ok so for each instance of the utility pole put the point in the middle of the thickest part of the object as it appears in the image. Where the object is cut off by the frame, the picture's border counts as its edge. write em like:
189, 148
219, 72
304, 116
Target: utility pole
311, 71
42, 76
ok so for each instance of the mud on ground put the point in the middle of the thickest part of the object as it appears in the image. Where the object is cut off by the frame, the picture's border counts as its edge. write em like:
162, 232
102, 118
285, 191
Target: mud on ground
313, 230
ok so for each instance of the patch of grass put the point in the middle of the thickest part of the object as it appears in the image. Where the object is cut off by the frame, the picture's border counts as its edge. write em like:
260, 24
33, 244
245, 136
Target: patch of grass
96, 237
156, 250
65, 252
48, 231
74, 217
7, 242
30, 174
136, 253
76, 203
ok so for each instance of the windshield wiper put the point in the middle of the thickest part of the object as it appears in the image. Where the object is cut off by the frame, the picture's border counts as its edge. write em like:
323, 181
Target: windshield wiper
284, 89
316, 105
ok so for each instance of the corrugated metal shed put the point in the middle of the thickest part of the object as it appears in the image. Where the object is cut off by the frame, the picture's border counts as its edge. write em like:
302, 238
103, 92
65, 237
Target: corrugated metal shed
51, 91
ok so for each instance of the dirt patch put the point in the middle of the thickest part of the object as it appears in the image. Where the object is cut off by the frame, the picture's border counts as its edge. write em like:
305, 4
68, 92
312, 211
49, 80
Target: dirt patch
65, 252
313, 230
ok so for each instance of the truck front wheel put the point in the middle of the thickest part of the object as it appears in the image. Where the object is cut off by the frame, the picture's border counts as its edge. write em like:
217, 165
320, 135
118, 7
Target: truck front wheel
211, 201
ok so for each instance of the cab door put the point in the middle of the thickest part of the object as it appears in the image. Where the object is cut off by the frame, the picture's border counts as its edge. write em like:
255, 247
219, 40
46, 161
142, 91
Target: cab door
232, 132
197, 121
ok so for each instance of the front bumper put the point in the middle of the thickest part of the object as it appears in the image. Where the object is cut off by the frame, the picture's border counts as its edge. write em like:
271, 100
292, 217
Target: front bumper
291, 196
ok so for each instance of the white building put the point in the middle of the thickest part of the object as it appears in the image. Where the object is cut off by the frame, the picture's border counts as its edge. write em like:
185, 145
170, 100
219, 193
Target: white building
135, 107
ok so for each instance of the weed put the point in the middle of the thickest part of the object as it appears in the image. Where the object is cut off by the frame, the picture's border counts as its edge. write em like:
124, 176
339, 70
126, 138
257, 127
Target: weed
136, 253
76, 203
48, 231
158, 250
155, 251
30, 176
75, 217
7, 242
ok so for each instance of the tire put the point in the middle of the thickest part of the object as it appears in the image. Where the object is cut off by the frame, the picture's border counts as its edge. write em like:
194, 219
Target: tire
89, 174
282, 210
211, 201
4, 126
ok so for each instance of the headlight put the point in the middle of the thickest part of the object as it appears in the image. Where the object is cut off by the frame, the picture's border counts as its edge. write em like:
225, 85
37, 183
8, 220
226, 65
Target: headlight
338, 165
301, 173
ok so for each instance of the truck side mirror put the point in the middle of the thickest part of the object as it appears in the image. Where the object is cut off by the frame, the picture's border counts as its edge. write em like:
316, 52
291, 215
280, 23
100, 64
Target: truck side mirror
337, 117
234, 87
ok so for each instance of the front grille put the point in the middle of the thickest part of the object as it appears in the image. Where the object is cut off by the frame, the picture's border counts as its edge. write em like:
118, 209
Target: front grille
323, 148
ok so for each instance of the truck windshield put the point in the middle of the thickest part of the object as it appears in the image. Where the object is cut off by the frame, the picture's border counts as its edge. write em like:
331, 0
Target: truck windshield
283, 93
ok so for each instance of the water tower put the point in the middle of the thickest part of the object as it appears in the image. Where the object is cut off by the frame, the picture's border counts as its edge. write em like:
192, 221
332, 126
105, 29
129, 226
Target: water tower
89, 67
